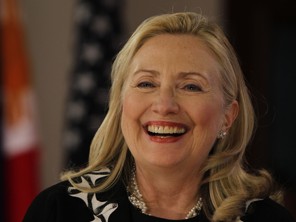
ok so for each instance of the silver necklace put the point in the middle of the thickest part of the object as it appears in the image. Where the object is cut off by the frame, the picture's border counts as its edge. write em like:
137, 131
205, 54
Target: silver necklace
136, 199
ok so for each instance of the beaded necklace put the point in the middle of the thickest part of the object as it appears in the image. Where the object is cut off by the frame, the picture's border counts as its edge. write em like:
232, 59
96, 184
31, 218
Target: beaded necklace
136, 199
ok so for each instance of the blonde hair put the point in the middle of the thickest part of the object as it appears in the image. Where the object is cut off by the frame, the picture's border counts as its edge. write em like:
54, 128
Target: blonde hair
227, 185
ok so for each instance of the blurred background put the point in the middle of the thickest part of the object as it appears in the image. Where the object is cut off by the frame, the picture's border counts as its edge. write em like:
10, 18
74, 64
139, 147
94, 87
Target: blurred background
55, 65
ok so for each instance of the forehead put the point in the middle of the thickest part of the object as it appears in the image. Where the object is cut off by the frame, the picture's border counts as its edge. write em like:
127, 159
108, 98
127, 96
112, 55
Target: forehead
177, 53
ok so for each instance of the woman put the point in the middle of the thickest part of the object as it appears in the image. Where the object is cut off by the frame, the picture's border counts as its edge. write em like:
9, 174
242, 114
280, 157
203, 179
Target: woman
172, 145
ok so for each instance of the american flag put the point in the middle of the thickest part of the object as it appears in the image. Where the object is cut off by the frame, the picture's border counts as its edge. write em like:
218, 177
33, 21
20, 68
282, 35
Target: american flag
98, 30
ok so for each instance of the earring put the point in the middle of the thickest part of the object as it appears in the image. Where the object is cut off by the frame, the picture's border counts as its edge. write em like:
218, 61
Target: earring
222, 134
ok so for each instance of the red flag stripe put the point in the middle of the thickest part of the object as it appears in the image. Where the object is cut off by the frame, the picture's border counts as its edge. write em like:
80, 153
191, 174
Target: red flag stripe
20, 138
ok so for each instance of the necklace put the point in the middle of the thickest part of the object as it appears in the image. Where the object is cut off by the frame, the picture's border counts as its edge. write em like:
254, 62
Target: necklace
136, 199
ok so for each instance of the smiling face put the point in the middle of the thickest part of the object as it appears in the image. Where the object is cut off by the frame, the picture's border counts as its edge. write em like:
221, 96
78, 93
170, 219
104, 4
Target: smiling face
173, 106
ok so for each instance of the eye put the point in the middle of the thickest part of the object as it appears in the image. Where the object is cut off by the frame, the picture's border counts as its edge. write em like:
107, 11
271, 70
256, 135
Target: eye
192, 88
145, 84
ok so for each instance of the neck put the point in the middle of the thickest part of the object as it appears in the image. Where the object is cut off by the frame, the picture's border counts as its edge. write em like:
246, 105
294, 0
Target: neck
160, 188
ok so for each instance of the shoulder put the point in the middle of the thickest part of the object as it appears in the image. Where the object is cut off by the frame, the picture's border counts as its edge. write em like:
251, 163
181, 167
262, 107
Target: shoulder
49, 196
55, 204
266, 210
57, 190
62, 202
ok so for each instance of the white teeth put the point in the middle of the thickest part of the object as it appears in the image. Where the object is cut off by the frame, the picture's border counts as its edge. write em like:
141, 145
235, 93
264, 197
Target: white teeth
165, 129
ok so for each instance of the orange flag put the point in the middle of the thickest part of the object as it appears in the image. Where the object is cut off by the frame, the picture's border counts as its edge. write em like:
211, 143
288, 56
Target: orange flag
20, 146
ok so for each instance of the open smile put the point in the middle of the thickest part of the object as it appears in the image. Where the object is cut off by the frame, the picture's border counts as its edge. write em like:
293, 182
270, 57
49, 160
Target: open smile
165, 129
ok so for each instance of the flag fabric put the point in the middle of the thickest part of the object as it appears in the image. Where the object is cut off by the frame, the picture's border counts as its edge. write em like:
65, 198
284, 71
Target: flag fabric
19, 138
1, 139
98, 31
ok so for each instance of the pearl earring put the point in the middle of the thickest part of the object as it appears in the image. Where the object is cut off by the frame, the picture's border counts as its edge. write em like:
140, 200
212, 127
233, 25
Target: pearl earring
222, 134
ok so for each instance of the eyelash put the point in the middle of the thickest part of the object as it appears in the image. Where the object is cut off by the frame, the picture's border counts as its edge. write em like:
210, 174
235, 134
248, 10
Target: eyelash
145, 84
192, 88
188, 87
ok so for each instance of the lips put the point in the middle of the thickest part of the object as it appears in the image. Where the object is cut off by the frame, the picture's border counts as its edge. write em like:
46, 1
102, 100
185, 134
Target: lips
165, 129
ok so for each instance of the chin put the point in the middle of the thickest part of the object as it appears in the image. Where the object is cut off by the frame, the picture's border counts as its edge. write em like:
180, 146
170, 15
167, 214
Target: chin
162, 161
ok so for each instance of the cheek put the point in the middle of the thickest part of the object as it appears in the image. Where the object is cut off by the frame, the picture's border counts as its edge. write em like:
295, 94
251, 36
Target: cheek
134, 104
131, 126
208, 116
132, 110
126, 108
126, 116
131, 107
126, 124
208, 121
207, 126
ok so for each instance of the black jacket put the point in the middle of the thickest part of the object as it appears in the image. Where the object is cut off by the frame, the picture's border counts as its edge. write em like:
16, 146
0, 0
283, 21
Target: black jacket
62, 203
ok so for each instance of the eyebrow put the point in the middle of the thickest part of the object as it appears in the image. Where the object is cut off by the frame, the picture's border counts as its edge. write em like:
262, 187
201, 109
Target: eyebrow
185, 74
182, 74
154, 72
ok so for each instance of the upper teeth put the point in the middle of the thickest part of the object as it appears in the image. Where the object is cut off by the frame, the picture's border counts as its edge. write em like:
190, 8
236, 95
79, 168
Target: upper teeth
165, 129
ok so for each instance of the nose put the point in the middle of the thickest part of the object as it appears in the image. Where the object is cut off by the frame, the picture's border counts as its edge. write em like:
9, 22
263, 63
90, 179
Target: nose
165, 102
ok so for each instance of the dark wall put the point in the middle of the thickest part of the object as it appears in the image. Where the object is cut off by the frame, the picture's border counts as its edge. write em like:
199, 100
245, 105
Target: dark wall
264, 35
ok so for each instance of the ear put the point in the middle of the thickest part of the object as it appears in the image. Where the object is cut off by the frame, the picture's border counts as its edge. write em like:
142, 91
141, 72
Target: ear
231, 113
